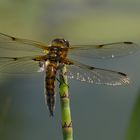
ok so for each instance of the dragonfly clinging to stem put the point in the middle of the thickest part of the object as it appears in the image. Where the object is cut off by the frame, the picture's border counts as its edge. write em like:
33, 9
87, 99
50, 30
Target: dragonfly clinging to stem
51, 58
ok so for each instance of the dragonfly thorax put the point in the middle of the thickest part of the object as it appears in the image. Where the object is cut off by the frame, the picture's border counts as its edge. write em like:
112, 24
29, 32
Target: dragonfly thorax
54, 53
58, 50
57, 53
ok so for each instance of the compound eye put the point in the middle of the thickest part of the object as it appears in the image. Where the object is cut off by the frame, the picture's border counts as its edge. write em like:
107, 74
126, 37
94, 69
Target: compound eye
56, 41
66, 43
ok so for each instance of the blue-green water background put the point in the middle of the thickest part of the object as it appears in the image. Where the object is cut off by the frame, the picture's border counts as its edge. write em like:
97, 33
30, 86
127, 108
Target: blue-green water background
98, 112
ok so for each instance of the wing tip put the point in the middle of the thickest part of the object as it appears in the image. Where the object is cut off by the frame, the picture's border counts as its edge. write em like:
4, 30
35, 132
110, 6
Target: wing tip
123, 74
121, 82
124, 80
131, 43
128, 42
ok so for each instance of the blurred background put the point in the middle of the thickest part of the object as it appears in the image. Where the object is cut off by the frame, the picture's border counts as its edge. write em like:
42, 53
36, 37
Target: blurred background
98, 112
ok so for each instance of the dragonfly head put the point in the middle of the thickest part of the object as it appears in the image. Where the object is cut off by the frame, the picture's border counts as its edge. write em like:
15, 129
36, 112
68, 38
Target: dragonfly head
60, 42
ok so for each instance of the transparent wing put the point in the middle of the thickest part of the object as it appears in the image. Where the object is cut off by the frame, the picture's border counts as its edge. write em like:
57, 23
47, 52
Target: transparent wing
16, 44
20, 65
110, 50
94, 75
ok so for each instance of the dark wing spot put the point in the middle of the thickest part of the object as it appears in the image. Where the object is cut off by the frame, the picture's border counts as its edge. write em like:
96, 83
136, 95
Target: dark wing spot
91, 68
15, 58
128, 42
13, 38
123, 74
34, 59
100, 46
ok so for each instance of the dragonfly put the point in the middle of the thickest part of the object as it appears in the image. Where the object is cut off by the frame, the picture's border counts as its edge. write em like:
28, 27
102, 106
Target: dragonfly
50, 58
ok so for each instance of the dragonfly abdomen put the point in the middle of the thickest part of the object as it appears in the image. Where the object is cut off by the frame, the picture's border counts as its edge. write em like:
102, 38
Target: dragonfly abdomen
50, 87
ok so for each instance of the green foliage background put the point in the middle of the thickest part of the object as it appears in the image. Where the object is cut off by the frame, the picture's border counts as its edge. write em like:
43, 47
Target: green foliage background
98, 112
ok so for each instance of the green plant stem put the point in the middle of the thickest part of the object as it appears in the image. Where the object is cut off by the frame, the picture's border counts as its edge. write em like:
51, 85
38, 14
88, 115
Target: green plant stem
133, 130
65, 106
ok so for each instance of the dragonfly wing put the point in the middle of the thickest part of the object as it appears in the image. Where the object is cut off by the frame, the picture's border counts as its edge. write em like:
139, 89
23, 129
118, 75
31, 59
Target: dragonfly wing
109, 50
16, 44
19, 65
94, 75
